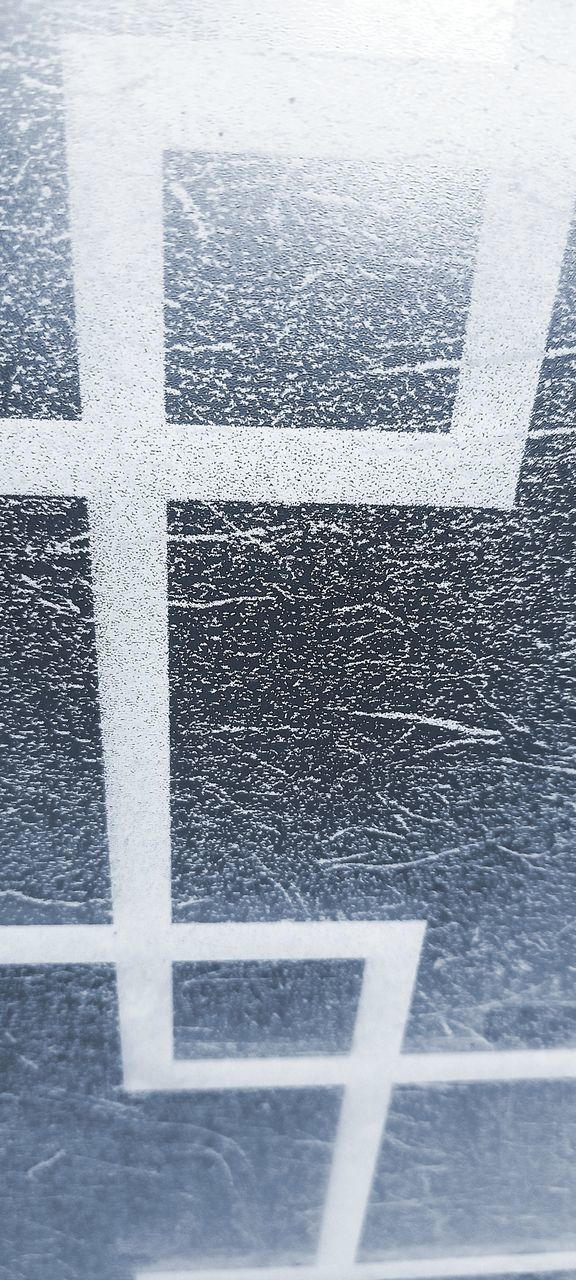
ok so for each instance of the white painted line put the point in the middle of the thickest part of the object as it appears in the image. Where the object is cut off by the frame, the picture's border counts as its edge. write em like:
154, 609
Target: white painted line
295, 940
528, 210
522, 241
128, 547
106, 944
259, 465
225, 97
447, 31
47, 458
502, 1064
201, 1075
57, 944
389, 1269
252, 464
114, 160
380, 1024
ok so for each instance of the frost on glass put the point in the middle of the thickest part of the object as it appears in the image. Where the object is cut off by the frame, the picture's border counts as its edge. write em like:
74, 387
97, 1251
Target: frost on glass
315, 293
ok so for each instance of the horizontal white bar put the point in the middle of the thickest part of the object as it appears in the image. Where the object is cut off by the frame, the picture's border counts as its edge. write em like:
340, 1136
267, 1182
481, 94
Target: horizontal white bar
236, 464
496, 1264
306, 104
283, 940
389, 1269
291, 940
319, 465
323, 1070
226, 96
493, 1064
57, 944
410, 29
49, 457
241, 1073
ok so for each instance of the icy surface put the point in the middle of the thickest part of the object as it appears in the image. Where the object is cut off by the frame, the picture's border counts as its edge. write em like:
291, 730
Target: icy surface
52, 815
371, 708
97, 1182
263, 1008
38, 362
468, 1168
314, 293
371, 717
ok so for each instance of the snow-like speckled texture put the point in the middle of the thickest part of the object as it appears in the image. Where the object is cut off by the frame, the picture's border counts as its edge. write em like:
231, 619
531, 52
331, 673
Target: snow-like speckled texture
97, 1182
476, 1167
52, 814
563, 324
259, 1008
39, 375
555, 406
371, 717
302, 293
38, 360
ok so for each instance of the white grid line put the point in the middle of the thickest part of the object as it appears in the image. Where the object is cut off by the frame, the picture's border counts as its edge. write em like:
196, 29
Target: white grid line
126, 101
392, 1269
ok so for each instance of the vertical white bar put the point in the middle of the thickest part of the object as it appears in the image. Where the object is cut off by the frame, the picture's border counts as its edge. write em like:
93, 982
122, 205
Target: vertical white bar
114, 163
114, 156
381, 1019
528, 209
128, 541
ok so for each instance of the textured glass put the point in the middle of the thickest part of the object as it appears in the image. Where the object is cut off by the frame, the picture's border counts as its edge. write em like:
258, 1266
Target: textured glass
479, 1167
369, 717
315, 293
98, 1182
52, 813
260, 1008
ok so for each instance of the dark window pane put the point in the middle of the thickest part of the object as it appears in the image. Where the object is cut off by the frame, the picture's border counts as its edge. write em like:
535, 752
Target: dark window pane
289, 1007
370, 719
38, 361
100, 1183
315, 293
52, 812
482, 1167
